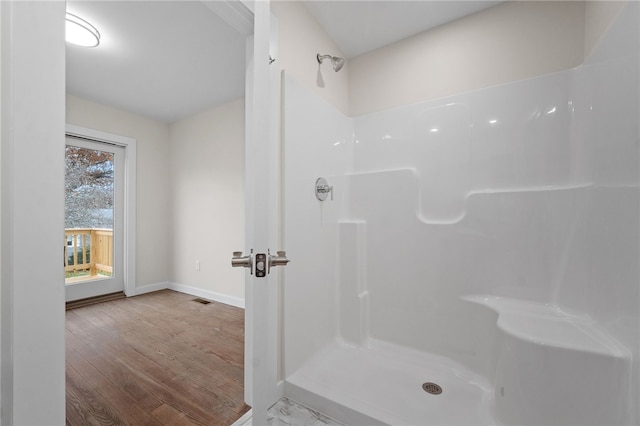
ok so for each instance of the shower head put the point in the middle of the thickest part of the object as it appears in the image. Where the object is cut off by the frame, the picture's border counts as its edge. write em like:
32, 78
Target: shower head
336, 61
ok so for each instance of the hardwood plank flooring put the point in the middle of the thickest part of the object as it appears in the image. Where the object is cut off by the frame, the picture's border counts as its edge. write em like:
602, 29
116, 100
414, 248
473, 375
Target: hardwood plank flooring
156, 359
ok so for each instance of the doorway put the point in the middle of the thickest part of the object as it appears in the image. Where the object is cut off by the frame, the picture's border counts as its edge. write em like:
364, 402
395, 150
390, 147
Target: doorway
33, 346
94, 218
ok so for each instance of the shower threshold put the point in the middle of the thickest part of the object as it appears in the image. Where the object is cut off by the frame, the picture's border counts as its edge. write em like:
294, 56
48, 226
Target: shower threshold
382, 384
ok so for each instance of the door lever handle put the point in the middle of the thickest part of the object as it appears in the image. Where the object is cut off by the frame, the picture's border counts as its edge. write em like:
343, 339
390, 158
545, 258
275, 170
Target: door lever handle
263, 261
238, 260
279, 260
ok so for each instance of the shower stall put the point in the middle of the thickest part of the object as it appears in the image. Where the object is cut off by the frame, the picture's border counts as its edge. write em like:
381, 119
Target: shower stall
472, 259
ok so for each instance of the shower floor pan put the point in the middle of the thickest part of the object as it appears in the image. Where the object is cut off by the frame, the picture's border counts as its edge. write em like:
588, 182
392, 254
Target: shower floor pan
383, 384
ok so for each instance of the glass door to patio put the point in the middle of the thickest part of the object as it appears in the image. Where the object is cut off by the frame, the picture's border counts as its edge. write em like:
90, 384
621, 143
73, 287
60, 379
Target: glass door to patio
93, 241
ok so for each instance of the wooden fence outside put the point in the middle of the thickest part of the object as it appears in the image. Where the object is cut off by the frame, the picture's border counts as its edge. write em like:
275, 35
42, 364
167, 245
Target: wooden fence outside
88, 249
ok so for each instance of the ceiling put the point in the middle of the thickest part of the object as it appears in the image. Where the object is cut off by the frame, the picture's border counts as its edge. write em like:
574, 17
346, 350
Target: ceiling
170, 59
165, 59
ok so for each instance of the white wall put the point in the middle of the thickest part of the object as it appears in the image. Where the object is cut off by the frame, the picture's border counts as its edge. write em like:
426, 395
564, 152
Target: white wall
190, 187
207, 199
153, 241
301, 39
508, 42
2, 332
317, 138
608, 122
598, 17
32, 147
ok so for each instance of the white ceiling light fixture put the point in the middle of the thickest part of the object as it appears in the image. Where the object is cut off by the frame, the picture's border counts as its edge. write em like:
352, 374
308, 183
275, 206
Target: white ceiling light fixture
80, 32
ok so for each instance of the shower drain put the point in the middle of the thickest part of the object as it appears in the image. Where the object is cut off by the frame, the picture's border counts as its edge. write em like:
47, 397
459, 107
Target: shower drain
432, 388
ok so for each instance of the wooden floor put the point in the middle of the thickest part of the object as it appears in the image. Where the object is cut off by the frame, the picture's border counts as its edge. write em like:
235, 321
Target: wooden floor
156, 359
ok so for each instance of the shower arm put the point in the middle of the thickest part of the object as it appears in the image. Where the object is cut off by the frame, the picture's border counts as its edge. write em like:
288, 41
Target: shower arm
336, 62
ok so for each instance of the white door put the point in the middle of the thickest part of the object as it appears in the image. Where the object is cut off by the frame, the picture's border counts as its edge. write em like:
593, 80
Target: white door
262, 197
94, 218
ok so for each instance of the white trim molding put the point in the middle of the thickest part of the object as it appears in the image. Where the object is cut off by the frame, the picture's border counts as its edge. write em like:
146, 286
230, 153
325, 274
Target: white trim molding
237, 14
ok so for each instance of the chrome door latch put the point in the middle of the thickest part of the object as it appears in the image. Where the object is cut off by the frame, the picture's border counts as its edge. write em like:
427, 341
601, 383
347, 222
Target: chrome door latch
261, 265
263, 262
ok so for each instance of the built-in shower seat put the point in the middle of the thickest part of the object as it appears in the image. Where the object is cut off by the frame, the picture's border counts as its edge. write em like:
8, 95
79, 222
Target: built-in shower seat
554, 367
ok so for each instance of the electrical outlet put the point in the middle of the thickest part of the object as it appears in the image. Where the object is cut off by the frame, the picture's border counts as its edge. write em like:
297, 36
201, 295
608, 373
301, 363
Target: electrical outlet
197, 265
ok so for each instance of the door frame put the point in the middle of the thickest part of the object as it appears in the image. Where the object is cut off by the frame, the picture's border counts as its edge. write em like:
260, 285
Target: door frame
32, 106
129, 196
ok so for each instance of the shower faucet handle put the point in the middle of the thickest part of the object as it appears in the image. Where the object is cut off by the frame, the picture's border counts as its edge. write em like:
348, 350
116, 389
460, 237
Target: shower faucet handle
322, 189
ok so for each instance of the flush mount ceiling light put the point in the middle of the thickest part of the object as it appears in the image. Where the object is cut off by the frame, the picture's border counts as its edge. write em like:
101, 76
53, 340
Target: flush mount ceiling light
80, 32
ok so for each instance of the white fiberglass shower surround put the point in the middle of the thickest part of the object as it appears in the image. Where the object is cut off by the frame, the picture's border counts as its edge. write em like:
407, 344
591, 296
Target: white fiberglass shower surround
486, 242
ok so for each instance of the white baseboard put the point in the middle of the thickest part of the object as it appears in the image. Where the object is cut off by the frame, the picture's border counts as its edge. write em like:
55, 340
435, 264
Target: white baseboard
152, 287
207, 294
194, 291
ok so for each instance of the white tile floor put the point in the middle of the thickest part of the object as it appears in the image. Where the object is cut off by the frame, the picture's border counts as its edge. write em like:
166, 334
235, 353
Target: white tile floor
288, 413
